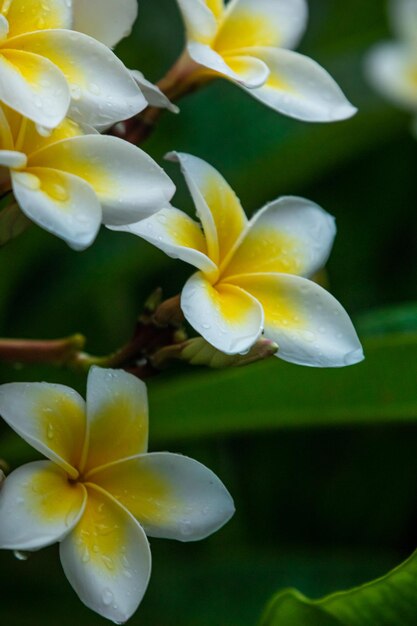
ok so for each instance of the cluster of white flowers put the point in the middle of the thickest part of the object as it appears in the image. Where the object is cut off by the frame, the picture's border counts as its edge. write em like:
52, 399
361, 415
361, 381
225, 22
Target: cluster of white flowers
57, 87
61, 89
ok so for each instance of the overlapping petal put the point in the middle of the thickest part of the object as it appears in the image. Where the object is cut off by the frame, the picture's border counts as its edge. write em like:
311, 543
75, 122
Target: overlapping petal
308, 324
127, 181
107, 559
291, 235
34, 86
200, 21
117, 415
26, 16
12, 159
299, 87
246, 70
102, 89
251, 23
172, 496
392, 67
51, 418
154, 96
61, 203
108, 21
38, 506
217, 205
225, 315
177, 235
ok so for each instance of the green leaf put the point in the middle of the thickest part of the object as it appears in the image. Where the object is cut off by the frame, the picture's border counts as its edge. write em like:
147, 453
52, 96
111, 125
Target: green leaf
401, 318
387, 601
276, 395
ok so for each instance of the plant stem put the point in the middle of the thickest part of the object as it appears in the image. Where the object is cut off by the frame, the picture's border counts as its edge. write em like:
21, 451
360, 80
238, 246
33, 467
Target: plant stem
159, 326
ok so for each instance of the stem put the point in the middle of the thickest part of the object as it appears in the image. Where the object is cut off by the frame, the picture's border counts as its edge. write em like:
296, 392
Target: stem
56, 352
159, 326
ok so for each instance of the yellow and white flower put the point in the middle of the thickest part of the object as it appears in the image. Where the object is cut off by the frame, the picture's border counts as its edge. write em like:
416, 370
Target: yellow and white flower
100, 493
253, 275
250, 41
45, 68
71, 180
392, 66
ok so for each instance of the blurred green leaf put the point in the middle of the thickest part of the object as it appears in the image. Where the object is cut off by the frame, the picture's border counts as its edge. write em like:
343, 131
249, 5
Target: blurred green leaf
274, 395
401, 318
388, 601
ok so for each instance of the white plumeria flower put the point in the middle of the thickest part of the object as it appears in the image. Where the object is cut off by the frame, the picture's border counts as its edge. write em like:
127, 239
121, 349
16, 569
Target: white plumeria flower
108, 21
44, 67
101, 493
392, 66
253, 275
69, 182
250, 41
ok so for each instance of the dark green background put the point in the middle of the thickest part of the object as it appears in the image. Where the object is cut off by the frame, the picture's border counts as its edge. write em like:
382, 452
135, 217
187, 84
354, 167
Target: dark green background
319, 508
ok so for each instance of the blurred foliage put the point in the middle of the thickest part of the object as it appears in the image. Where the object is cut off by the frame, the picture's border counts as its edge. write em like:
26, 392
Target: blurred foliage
386, 601
321, 508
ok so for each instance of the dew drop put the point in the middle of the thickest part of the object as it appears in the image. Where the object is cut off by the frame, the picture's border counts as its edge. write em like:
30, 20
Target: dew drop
107, 597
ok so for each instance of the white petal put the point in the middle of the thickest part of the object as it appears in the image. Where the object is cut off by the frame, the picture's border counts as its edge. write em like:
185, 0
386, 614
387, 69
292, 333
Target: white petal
226, 316
276, 23
109, 21
117, 416
299, 87
107, 558
34, 87
12, 159
246, 70
200, 22
102, 89
404, 18
309, 325
217, 205
392, 68
172, 496
51, 418
128, 182
38, 506
68, 208
177, 235
154, 96
290, 235
26, 16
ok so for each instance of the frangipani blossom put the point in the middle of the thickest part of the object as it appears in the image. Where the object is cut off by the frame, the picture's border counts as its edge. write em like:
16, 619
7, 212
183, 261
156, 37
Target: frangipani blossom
253, 275
250, 41
392, 66
100, 493
72, 180
44, 66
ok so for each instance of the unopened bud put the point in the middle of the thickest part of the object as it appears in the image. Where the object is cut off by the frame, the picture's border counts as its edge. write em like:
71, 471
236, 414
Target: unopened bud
198, 351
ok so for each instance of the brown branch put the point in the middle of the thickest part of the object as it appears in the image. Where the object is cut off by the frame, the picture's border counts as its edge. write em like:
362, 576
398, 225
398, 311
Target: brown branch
159, 326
